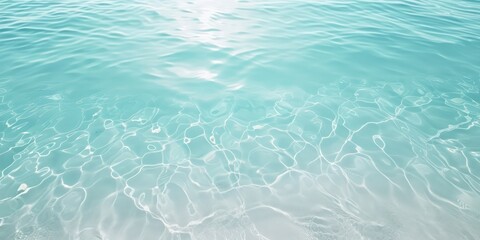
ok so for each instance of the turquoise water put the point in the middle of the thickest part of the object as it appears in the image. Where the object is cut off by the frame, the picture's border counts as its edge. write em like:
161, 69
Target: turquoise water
233, 119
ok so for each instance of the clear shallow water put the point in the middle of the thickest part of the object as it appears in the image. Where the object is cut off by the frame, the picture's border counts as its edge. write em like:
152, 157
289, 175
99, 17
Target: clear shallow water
239, 119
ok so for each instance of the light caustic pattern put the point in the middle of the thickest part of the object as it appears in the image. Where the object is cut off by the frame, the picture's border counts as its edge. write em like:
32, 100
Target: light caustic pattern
239, 120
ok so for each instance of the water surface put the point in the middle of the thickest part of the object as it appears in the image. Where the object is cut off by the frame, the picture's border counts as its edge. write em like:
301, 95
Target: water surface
232, 119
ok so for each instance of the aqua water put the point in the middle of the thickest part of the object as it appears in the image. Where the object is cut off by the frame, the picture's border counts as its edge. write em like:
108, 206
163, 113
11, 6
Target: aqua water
239, 119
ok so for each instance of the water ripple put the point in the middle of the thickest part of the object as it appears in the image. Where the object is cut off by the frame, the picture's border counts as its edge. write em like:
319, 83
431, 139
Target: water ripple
239, 119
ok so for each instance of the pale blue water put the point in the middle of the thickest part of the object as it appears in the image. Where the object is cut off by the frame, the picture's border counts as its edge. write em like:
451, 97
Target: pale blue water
232, 119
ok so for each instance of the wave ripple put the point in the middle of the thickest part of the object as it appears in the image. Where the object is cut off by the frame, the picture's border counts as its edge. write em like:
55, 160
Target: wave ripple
234, 119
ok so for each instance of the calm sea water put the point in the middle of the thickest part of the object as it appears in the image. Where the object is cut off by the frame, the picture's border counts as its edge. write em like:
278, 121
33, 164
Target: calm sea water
239, 119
